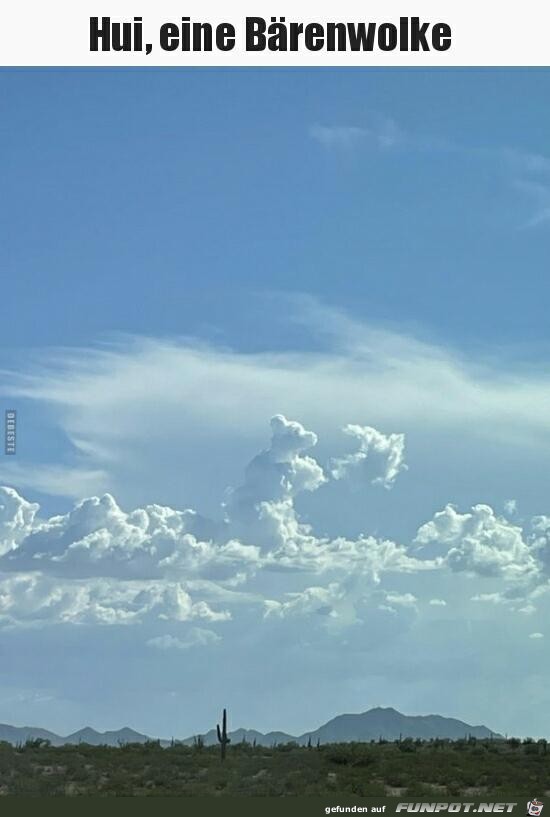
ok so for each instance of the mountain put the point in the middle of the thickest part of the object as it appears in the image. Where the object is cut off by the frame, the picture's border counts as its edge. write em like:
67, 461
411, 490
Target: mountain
249, 735
89, 735
19, 734
382, 722
390, 724
386, 723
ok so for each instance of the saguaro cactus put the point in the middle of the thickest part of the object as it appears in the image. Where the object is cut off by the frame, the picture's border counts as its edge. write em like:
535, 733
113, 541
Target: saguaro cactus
223, 740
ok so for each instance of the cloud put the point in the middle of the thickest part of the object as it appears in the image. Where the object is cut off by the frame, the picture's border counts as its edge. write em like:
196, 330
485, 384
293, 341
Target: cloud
526, 172
536, 635
131, 412
318, 600
437, 603
261, 510
115, 567
530, 176
401, 599
382, 133
510, 507
97, 538
99, 563
34, 599
481, 542
16, 519
491, 598
394, 601
55, 480
380, 458
196, 637
138, 423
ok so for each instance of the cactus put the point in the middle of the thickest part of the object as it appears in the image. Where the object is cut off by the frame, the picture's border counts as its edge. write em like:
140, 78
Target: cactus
223, 740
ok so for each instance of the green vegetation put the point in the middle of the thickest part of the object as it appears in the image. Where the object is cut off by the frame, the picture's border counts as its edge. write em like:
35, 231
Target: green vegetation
466, 768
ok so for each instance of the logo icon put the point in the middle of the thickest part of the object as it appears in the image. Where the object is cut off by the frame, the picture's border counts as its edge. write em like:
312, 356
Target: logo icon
534, 807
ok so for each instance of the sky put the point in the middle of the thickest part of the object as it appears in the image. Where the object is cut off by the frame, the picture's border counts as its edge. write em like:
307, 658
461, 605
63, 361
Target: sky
278, 344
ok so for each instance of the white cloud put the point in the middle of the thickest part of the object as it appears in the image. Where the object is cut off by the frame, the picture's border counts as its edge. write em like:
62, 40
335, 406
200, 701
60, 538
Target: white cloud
491, 598
98, 538
510, 507
262, 543
394, 601
131, 412
16, 518
401, 599
380, 457
318, 600
381, 133
117, 566
33, 598
56, 480
536, 635
437, 603
261, 510
481, 542
100, 563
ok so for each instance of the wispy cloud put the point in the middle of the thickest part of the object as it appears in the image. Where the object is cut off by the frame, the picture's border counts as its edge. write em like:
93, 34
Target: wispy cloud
528, 172
381, 133
196, 637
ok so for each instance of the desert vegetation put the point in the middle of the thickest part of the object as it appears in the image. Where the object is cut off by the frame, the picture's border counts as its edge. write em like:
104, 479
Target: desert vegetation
469, 768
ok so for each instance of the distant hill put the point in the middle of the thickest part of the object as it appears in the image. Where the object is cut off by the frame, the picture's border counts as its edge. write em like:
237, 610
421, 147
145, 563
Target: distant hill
249, 735
385, 723
113, 738
20, 734
390, 724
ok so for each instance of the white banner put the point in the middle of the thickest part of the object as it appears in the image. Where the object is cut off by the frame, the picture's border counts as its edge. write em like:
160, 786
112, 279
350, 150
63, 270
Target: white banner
278, 33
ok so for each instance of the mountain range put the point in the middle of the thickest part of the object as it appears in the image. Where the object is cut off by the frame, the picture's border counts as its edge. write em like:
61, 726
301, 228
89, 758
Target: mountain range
380, 722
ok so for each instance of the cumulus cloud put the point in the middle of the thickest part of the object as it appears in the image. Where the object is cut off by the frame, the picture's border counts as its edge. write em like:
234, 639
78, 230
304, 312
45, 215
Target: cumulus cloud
16, 519
380, 457
99, 563
318, 600
261, 510
97, 538
401, 599
481, 542
33, 598
394, 601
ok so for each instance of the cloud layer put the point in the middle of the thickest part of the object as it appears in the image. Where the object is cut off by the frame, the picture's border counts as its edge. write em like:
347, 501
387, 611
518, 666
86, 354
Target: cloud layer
98, 564
363, 537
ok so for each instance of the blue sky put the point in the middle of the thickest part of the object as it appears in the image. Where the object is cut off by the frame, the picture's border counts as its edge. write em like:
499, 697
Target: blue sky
202, 188
187, 254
